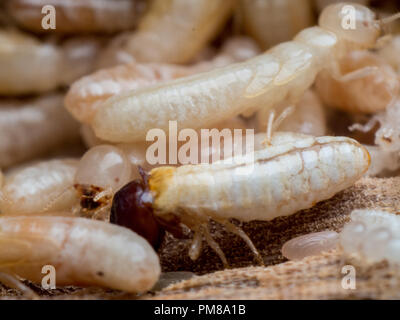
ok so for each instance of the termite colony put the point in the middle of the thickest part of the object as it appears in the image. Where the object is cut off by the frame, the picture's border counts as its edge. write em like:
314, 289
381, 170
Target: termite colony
78, 102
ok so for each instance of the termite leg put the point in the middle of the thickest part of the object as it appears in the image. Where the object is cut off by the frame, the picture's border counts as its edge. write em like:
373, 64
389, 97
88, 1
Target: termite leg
273, 123
103, 194
195, 247
239, 231
214, 245
13, 283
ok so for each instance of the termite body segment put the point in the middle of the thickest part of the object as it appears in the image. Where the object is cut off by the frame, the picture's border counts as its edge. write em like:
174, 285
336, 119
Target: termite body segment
276, 181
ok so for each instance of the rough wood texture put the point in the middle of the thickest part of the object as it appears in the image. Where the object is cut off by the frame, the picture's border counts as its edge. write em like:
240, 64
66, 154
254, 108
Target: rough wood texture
317, 277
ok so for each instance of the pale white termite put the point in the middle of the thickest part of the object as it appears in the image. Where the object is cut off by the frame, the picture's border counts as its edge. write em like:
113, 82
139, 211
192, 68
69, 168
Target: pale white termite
310, 244
368, 84
86, 94
37, 188
281, 74
77, 16
31, 127
100, 173
83, 252
275, 181
273, 21
372, 236
28, 65
172, 31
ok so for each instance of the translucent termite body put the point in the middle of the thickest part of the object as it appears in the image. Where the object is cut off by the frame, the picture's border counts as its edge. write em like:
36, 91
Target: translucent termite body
86, 94
274, 21
77, 16
278, 180
29, 66
31, 127
83, 252
36, 188
281, 74
371, 91
372, 236
172, 31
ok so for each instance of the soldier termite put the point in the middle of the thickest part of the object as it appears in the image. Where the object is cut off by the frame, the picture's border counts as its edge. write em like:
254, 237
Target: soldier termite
282, 74
286, 177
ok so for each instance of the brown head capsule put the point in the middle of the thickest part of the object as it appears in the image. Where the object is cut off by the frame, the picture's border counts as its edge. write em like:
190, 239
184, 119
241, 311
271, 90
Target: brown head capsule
132, 208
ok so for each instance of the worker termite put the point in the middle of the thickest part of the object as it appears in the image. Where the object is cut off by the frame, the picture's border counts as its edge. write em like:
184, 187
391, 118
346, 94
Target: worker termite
282, 74
84, 252
30, 66
271, 22
88, 93
275, 181
37, 188
172, 31
100, 173
32, 127
372, 236
371, 91
77, 16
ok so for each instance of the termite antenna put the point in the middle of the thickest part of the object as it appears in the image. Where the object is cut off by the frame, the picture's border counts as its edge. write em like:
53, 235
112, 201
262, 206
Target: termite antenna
51, 203
273, 124
388, 20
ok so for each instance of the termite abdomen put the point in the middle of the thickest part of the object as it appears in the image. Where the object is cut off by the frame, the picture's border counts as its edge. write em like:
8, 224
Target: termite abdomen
132, 210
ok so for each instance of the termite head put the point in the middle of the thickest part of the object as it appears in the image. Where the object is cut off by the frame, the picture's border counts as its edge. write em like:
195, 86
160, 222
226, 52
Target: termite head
132, 208
354, 23
89, 197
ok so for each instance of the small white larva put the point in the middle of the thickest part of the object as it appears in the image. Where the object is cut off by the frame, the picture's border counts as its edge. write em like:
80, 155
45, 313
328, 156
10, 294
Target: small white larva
282, 74
310, 245
276, 181
84, 252
372, 236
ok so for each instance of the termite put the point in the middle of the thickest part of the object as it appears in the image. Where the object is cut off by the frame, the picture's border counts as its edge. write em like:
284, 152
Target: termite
310, 244
86, 94
368, 85
32, 127
77, 16
173, 31
83, 252
274, 21
281, 74
307, 117
372, 236
36, 188
29, 66
275, 181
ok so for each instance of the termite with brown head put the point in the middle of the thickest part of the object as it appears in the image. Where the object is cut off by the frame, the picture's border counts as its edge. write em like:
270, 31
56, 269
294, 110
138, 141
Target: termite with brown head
276, 181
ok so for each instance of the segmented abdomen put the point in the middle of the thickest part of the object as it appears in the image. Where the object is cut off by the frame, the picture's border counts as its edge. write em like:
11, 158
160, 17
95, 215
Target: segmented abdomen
284, 179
